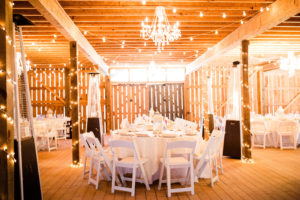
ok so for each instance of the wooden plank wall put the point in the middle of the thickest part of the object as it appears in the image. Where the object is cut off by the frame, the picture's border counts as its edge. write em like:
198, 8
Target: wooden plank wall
47, 87
128, 101
279, 90
195, 87
167, 99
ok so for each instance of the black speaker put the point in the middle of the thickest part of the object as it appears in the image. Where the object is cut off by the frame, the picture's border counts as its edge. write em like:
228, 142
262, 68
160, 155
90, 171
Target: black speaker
232, 140
93, 125
31, 179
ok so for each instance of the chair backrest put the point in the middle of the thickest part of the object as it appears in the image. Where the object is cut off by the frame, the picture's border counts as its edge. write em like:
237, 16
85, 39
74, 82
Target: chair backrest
258, 126
124, 124
131, 145
190, 125
96, 148
187, 145
288, 126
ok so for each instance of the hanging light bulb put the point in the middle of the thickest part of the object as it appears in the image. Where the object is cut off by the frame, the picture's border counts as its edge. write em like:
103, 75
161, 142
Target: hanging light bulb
84, 32
242, 22
224, 15
201, 14
145, 43
244, 13
216, 32
144, 2
174, 10
103, 39
191, 39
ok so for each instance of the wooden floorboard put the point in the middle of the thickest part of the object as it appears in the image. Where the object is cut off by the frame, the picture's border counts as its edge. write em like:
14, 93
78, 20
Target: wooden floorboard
275, 174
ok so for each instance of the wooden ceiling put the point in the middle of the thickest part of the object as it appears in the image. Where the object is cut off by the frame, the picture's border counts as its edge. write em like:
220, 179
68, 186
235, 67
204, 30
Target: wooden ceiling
120, 20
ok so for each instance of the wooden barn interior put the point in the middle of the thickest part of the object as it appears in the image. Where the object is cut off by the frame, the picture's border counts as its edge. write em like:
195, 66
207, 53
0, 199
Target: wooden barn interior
226, 85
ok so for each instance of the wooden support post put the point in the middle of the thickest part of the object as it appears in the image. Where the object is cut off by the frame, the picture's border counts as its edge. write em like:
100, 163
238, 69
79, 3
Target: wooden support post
74, 101
6, 102
108, 102
67, 91
245, 103
186, 96
259, 94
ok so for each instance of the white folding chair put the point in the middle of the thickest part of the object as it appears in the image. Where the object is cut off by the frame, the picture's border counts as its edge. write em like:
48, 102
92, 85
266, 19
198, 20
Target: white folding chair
220, 134
99, 160
61, 130
170, 162
88, 153
258, 129
134, 162
288, 129
209, 156
51, 137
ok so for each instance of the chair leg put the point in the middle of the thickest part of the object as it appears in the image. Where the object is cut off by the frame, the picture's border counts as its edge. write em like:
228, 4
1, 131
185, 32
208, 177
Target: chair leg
169, 181
48, 142
264, 141
113, 178
187, 177
105, 172
221, 161
145, 177
280, 140
192, 179
161, 175
133, 180
210, 173
122, 177
98, 175
84, 165
91, 170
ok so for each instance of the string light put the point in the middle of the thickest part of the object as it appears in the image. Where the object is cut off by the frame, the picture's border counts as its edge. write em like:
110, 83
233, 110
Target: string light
244, 13
10, 156
184, 53
140, 50
261, 9
54, 36
103, 39
216, 32
242, 22
144, 2
84, 32
267, 8
201, 14
174, 10
145, 43
224, 15
170, 53
191, 39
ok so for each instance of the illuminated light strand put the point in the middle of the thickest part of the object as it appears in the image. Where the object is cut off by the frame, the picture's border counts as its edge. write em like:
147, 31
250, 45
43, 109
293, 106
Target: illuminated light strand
10, 156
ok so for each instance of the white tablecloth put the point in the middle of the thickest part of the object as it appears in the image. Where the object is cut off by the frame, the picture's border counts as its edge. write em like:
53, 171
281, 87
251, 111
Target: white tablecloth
272, 127
152, 148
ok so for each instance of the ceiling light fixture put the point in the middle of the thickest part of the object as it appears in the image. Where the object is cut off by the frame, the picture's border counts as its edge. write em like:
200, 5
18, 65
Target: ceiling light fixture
160, 31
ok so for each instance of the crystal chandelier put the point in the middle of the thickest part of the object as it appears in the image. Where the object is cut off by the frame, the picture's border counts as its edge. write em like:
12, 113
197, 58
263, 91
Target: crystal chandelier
161, 32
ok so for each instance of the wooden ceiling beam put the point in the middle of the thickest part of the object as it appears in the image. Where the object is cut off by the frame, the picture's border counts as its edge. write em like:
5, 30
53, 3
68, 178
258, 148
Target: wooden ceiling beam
278, 12
56, 15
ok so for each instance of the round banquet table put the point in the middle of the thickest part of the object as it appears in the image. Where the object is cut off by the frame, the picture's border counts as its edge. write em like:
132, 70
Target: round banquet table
152, 148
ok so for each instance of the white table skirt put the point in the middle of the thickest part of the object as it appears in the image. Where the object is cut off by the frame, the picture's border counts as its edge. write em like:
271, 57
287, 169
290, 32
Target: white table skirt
152, 148
272, 138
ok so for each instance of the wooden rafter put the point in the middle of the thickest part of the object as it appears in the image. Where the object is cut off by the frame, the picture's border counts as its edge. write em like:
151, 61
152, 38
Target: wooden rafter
57, 16
278, 12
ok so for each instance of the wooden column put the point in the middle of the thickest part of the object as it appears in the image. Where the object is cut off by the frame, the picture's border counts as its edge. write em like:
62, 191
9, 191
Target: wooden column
245, 102
6, 101
67, 91
186, 97
74, 101
108, 99
205, 105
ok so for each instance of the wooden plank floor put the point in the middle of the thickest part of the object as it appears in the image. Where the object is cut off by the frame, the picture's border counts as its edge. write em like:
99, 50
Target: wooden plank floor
274, 175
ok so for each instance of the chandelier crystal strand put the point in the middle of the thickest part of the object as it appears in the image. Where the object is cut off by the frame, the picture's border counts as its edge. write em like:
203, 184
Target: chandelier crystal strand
160, 31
